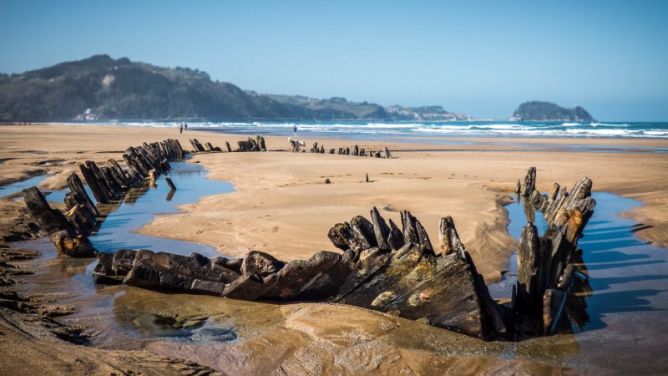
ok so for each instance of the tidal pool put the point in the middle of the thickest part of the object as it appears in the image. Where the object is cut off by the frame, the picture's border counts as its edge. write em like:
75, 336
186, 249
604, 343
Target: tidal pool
626, 332
58, 196
518, 215
627, 328
141, 205
13, 190
118, 230
70, 280
16, 187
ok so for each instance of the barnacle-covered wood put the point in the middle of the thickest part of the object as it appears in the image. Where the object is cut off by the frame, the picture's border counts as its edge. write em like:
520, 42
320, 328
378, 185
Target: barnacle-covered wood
550, 275
412, 281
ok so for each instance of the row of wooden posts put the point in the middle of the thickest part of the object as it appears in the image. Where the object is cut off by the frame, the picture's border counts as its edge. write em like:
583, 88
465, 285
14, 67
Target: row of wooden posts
398, 270
355, 151
109, 183
256, 144
552, 281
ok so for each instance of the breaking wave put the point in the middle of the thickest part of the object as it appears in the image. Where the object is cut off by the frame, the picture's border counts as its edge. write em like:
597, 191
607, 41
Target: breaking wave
425, 129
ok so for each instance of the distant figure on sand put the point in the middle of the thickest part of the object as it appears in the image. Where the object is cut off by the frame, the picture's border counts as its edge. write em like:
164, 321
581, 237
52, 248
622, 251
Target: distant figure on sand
186, 125
181, 128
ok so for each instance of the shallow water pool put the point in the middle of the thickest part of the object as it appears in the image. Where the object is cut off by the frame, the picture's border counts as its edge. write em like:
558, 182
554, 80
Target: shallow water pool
13, 188
519, 213
142, 205
71, 279
627, 328
625, 334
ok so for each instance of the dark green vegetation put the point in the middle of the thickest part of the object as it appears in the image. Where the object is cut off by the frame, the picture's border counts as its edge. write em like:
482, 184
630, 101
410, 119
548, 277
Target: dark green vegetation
546, 111
101, 87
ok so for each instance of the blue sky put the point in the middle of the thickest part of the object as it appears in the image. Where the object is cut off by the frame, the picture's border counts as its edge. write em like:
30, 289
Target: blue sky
476, 57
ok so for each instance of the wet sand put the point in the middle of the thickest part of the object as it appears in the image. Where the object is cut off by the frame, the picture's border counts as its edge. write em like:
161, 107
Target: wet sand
281, 204
240, 337
293, 339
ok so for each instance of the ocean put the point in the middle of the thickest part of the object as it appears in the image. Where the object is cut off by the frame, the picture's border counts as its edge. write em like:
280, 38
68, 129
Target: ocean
423, 131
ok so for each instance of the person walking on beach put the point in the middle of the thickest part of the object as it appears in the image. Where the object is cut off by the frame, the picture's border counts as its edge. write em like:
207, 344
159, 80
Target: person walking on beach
181, 128
186, 125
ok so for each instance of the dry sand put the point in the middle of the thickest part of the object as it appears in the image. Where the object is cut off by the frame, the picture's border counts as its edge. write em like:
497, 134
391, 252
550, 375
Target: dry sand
282, 205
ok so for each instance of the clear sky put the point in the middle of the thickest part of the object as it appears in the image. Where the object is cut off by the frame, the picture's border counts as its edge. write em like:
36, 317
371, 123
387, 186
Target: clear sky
481, 58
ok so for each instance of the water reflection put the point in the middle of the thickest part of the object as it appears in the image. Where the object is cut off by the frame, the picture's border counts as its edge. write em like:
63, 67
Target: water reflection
141, 205
16, 187
625, 298
69, 281
58, 196
625, 330
519, 213
626, 273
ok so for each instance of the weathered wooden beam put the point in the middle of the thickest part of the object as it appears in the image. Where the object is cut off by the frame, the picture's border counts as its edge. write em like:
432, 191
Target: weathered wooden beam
197, 145
78, 215
95, 185
50, 220
380, 229
396, 238
61, 231
547, 264
261, 143
530, 270
76, 186
170, 183
388, 155
529, 182
449, 241
443, 290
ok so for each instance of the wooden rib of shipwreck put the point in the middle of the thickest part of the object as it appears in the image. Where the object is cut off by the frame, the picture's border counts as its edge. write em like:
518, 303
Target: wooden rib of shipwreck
256, 144
109, 183
61, 230
395, 270
381, 268
355, 150
551, 276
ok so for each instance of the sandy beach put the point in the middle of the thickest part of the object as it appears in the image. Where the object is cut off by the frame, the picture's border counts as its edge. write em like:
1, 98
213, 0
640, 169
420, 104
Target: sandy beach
333, 188
282, 205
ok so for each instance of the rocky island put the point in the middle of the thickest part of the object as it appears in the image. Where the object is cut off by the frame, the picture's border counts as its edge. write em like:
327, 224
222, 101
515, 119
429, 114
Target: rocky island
547, 111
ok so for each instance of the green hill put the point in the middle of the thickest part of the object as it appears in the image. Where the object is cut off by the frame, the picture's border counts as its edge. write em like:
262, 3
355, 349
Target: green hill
101, 87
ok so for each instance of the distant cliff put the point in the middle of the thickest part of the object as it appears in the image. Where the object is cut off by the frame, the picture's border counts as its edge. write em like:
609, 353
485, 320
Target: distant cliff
101, 87
423, 113
328, 109
546, 111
